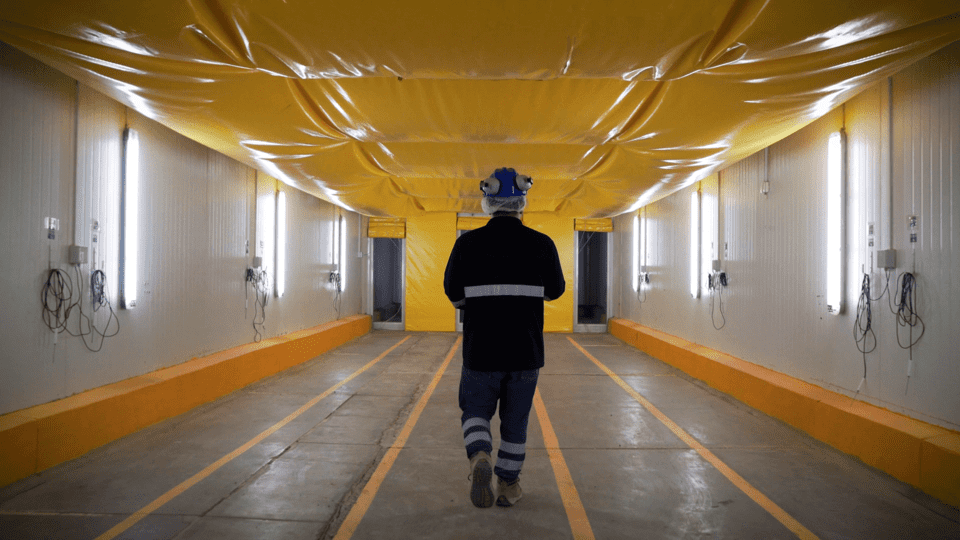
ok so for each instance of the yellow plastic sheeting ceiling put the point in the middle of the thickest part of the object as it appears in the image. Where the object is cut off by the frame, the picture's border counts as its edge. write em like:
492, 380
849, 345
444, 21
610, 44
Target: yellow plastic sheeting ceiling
401, 108
557, 314
430, 240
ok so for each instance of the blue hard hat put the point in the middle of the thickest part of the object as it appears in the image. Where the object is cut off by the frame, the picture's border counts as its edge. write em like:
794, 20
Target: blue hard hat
505, 182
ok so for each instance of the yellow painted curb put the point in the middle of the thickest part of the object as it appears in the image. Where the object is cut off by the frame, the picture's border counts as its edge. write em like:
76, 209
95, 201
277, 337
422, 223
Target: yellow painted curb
37, 438
921, 454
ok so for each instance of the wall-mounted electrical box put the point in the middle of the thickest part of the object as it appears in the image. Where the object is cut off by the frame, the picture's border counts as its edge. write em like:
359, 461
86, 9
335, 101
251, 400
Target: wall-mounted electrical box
257, 262
78, 255
887, 259
716, 265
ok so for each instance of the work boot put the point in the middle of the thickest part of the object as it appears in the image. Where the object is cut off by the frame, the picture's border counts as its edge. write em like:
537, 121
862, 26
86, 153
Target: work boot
481, 494
509, 492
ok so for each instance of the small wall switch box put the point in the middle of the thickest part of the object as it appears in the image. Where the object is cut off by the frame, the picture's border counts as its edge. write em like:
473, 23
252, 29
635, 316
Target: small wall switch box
716, 265
78, 255
257, 262
887, 259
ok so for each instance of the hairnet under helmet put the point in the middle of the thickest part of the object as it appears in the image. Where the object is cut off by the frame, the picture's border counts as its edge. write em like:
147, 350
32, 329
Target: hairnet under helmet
491, 205
505, 191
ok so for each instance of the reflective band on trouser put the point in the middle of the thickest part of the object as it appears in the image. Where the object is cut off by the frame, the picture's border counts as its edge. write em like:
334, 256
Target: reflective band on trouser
476, 436
510, 460
513, 448
474, 422
509, 464
477, 291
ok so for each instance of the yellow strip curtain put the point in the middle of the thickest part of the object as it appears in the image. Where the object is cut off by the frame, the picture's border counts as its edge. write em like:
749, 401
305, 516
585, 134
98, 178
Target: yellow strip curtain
387, 228
593, 225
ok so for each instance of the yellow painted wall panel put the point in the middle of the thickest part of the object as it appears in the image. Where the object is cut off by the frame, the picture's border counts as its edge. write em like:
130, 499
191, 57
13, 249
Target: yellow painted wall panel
430, 240
558, 314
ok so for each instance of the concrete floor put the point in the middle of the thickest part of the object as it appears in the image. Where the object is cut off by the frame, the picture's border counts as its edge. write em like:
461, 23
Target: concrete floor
635, 478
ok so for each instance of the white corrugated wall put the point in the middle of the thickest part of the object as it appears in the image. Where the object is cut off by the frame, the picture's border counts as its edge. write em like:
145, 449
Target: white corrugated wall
198, 211
903, 144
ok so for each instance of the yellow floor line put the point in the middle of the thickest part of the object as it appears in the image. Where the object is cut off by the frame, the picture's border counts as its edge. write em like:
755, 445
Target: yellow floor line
786, 519
352, 521
576, 515
210, 469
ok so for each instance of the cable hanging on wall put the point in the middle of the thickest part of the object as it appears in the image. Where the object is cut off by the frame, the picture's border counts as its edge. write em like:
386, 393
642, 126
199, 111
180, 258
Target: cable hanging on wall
55, 300
261, 286
863, 325
717, 281
58, 303
337, 298
100, 299
906, 312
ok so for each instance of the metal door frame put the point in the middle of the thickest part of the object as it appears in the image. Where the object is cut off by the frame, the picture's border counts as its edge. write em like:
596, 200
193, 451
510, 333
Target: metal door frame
403, 287
589, 328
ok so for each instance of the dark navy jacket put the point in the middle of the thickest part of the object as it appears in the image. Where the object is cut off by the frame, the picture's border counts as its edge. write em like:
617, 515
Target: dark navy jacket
500, 275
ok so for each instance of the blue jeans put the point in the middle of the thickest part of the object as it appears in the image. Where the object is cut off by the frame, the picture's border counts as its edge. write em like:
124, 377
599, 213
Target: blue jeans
479, 393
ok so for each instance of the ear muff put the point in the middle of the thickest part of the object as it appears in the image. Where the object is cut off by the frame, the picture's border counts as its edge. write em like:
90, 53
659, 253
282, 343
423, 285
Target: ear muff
490, 187
523, 182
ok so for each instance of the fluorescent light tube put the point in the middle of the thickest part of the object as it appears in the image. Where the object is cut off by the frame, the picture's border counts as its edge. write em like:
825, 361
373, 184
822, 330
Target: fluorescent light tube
834, 225
281, 243
695, 244
130, 219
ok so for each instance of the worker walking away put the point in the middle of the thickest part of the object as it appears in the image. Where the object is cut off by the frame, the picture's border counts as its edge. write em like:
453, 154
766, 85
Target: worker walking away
499, 275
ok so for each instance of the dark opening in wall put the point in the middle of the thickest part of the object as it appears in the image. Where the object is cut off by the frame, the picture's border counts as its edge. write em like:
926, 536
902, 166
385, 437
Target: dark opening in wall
592, 277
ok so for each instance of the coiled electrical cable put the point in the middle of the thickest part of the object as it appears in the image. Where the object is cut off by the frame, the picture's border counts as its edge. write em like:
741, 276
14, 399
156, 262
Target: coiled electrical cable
863, 323
261, 285
906, 310
98, 291
716, 285
55, 297
337, 299
98, 286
